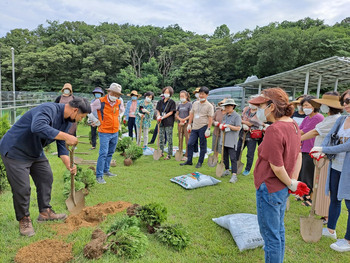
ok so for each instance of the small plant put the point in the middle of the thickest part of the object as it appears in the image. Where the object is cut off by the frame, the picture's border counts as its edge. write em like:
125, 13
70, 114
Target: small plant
124, 223
134, 151
174, 236
153, 215
66, 188
123, 144
85, 178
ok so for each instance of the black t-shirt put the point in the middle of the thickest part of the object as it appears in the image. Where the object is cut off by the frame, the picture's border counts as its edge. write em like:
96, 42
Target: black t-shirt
164, 108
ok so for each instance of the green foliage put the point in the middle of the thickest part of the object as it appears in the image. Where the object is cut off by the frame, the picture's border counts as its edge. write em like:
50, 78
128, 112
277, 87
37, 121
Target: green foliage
129, 242
124, 223
174, 236
4, 127
66, 188
152, 214
85, 178
134, 151
123, 144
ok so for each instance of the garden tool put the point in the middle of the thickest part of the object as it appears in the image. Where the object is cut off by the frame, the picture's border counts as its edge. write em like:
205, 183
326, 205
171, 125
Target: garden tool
311, 227
76, 200
157, 153
140, 131
239, 162
179, 153
213, 159
220, 168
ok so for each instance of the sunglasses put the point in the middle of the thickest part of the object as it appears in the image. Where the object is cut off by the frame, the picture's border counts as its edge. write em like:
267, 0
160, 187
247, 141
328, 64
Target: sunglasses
346, 101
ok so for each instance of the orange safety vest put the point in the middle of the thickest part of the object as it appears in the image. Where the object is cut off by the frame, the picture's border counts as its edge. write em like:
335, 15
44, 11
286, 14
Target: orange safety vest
108, 116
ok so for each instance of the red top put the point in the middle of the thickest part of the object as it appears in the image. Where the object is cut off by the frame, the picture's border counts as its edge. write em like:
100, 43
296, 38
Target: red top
280, 147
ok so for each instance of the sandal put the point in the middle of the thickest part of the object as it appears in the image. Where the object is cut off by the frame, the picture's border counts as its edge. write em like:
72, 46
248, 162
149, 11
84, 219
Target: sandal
307, 202
298, 198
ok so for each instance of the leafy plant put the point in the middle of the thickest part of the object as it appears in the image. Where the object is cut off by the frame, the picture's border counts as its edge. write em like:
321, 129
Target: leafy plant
85, 178
134, 151
66, 188
129, 242
123, 144
124, 223
174, 236
152, 214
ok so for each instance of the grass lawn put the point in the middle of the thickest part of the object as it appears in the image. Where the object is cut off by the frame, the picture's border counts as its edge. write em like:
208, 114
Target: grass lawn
148, 181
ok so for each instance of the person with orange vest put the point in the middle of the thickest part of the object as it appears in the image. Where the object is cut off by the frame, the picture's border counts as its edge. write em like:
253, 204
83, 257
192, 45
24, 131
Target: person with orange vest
108, 108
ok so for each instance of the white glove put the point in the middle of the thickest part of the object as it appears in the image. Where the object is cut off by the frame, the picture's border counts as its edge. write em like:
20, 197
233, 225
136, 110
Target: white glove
93, 120
216, 123
316, 149
207, 133
189, 128
317, 155
245, 127
145, 111
159, 118
293, 187
140, 114
265, 127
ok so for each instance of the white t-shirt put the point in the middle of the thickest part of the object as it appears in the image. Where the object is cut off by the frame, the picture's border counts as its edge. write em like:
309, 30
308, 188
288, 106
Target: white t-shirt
337, 163
324, 127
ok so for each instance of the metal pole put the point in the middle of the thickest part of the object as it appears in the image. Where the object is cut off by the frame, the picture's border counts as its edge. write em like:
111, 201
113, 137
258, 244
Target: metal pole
294, 90
306, 82
336, 84
13, 84
319, 86
260, 86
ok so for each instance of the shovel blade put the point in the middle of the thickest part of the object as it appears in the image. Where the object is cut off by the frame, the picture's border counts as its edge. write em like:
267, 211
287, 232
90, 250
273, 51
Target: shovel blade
157, 154
212, 160
311, 229
178, 155
220, 168
75, 207
240, 166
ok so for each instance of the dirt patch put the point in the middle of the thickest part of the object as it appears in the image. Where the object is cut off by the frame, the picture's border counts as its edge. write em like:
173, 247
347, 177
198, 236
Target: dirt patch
90, 216
49, 250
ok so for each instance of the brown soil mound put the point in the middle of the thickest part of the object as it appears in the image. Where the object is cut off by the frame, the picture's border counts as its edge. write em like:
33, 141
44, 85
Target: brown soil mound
49, 250
90, 216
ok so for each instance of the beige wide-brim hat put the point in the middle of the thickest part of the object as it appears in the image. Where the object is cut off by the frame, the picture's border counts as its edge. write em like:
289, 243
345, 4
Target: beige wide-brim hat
115, 87
329, 100
67, 86
296, 101
134, 93
221, 102
196, 90
229, 102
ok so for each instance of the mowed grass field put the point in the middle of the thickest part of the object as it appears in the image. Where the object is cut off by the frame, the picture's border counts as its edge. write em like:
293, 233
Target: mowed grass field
148, 181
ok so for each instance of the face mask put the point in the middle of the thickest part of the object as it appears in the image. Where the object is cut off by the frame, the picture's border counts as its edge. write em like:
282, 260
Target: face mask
196, 95
307, 111
66, 91
98, 95
134, 98
182, 99
202, 99
253, 107
324, 108
112, 98
148, 99
299, 108
166, 96
260, 114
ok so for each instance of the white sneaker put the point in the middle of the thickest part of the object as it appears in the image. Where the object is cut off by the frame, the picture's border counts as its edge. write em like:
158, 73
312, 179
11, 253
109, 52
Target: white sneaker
342, 245
233, 178
326, 233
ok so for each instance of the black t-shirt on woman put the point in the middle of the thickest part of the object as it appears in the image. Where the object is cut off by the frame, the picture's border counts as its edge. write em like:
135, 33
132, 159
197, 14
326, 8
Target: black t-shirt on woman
164, 108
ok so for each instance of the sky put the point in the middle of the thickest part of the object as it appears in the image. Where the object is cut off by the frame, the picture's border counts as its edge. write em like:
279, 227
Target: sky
200, 16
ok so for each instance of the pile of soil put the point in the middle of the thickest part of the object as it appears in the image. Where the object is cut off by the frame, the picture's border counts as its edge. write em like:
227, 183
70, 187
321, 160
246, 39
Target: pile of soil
90, 216
49, 250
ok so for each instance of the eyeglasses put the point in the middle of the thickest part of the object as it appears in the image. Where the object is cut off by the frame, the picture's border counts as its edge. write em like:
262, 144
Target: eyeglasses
347, 101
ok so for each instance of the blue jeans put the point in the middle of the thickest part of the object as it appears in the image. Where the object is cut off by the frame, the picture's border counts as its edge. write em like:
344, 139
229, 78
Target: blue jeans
195, 134
131, 126
335, 205
108, 143
270, 208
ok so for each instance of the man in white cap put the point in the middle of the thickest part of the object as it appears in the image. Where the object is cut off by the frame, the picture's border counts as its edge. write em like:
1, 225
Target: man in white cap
108, 110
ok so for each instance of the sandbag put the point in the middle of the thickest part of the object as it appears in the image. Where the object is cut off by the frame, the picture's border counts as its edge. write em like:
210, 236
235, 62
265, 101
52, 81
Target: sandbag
148, 150
194, 180
244, 229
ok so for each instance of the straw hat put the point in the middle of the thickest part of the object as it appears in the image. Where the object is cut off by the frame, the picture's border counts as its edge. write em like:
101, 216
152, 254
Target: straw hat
196, 90
67, 86
115, 87
329, 100
221, 102
297, 101
229, 102
134, 92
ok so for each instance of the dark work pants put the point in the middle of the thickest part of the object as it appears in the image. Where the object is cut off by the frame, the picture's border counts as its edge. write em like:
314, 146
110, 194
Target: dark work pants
195, 134
251, 145
131, 126
18, 172
306, 174
154, 136
93, 136
230, 153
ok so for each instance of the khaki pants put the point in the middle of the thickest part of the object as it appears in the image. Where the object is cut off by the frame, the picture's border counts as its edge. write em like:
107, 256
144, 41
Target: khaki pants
185, 135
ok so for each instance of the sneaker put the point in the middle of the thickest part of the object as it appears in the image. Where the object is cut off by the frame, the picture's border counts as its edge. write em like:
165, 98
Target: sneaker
233, 178
326, 233
26, 227
246, 172
92, 148
227, 172
100, 180
50, 215
198, 165
342, 245
109, 174
186, 163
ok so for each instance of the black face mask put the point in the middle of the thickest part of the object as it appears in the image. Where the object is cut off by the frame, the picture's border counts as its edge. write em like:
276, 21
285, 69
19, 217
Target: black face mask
71, 120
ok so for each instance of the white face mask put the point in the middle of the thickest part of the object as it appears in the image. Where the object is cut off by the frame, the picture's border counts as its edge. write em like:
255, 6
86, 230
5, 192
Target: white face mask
66, 91
324, 108
307, 111
182, 99
196, 95
253, 107
202, 99
260, 114
299, 108
166, 96
148, 99
112, 98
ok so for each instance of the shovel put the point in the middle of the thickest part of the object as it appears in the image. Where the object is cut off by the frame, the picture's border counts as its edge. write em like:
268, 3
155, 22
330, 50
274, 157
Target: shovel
220, 168
157, 153
140, 131
311, 227
213, 159
179, 153
239, 162
76, 200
